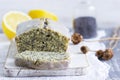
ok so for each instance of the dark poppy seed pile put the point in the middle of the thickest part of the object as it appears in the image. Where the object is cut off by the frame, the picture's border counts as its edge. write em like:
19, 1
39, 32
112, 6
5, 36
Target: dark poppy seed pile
86, 26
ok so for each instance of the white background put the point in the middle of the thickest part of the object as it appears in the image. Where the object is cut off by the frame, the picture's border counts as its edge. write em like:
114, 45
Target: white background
108, 11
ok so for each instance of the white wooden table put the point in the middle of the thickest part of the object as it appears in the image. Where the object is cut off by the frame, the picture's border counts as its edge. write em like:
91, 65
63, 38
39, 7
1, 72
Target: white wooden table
3, 51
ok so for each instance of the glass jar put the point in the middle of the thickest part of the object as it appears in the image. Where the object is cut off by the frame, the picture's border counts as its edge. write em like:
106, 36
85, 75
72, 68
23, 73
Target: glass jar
84, 21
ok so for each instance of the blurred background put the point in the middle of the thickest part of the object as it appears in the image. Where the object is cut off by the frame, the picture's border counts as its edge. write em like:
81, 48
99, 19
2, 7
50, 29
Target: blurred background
108, 11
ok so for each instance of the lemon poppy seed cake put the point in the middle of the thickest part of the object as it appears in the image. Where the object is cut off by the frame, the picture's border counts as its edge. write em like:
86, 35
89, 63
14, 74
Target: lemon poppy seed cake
41, 47
41, 39
42, 60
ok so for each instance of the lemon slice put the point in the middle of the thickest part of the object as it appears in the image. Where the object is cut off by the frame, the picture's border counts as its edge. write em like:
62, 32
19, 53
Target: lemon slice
10, 22
41, 14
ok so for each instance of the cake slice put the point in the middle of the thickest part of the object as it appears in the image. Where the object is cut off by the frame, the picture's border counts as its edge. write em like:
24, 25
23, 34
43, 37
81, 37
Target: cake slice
41, 39
41, 47
42, 60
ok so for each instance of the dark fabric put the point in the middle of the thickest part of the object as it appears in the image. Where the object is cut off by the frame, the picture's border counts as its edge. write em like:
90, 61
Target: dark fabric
114, 73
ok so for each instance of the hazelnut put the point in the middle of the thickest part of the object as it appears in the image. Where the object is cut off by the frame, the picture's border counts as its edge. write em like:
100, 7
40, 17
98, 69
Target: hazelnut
76, 38
84, 49
108, 54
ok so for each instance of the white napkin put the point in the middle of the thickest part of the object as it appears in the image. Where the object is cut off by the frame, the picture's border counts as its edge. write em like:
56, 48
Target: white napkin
98, 70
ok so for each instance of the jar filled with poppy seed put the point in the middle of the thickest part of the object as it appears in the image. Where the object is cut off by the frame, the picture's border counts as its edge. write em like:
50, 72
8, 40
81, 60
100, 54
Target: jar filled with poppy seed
85, 20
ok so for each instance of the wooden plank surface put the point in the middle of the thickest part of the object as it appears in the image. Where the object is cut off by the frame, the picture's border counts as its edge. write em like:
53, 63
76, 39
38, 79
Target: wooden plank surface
73, 69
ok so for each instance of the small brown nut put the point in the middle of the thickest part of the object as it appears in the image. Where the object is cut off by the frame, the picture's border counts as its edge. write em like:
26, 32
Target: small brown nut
76, 38
108, 54
99, 54
84, 49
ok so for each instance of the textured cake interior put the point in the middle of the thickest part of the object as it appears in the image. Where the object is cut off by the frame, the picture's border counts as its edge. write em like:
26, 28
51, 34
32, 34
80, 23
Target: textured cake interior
41, 39
42, 60
43, 56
